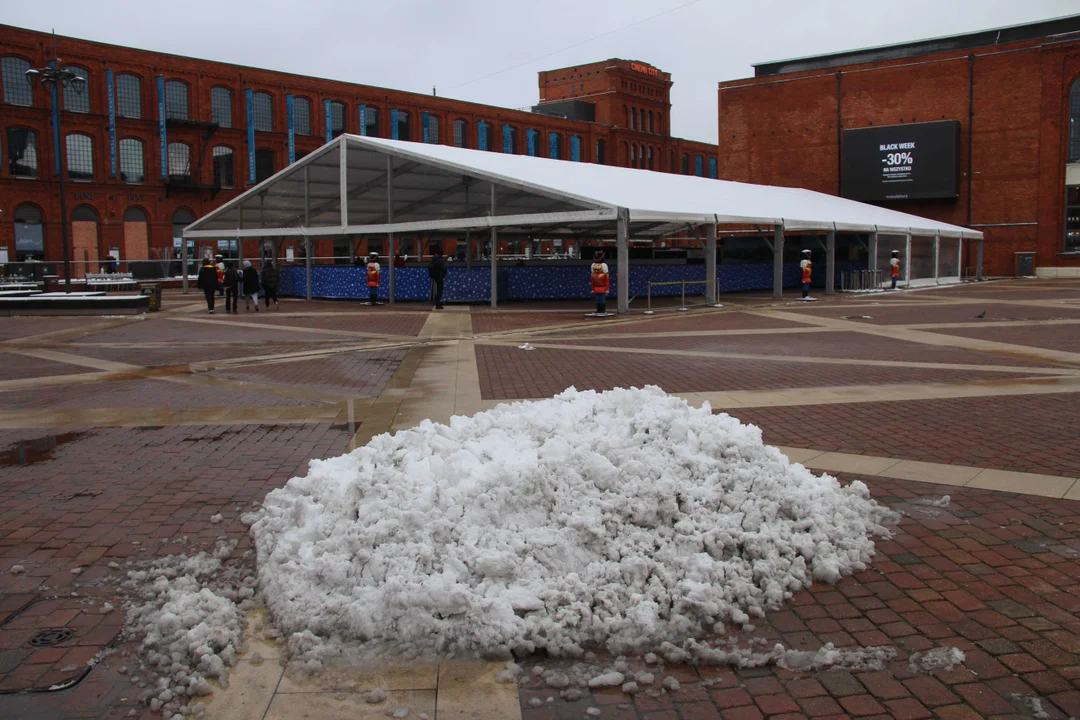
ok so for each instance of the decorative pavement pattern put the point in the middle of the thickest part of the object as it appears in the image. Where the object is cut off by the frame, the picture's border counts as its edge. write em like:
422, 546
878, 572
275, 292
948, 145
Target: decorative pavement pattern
120, 438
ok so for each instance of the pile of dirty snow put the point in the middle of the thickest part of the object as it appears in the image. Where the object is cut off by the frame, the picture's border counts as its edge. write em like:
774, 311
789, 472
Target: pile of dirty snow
623, 520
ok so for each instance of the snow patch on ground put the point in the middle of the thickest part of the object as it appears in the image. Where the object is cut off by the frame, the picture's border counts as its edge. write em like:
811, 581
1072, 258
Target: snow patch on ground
943, 657
626, 520
189, 622
940, 502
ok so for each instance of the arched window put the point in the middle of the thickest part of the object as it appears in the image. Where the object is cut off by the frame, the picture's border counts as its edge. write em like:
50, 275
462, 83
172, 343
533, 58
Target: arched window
223, 167
599, 154
434, 130
22, 152
84, 239
554, 146
633, 118
264, 164
29, 235
685, 164
535, 142
176, 100
135, 214
17, 89
77, 97
84, 213
461, 133
128, 96
651, 166
642, 125
371, 119
221, 106
132, 165
402, 130
179, 162
485, 136
625, 112
509, 140
80, 157
337, 119
650, 121
633, 156
262, 111
301, 116
1074, 122
660, 123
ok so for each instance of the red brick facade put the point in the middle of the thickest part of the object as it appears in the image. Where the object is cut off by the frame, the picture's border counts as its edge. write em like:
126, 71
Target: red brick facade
110, 197
1011, 100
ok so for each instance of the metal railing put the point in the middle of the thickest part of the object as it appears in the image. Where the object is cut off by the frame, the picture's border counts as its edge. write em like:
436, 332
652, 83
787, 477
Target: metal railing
682, 305
860, 280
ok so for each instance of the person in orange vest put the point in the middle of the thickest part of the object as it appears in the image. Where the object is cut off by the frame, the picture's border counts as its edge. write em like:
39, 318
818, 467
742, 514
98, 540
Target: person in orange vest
601, 282
894, 267
807, 271
373, 278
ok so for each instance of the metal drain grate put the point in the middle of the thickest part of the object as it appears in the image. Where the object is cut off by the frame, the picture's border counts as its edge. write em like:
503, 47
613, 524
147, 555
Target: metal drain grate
50, 637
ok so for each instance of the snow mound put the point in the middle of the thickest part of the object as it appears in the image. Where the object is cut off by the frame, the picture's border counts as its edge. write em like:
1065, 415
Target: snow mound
624, 520
943, 657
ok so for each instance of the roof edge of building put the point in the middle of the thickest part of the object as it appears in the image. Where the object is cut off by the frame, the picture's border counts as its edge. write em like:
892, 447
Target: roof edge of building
1039, 29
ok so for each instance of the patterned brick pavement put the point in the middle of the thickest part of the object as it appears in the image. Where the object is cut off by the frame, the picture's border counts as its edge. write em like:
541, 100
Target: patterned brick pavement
1051, 337
507, 373
1024, 433
19, 367
994, 575
885, 314
138, 394
361, 373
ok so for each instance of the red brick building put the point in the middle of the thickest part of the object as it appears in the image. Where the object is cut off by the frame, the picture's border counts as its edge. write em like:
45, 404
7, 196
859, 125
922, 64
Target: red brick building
1014, 92
155, 141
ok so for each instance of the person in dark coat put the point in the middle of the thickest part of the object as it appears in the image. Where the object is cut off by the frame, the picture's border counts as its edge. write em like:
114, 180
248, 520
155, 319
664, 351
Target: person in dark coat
271, 279
231, 281
208, 283
437, 272
249, 285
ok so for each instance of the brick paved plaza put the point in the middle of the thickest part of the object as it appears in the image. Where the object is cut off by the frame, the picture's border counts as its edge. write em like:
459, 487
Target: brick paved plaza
120, 439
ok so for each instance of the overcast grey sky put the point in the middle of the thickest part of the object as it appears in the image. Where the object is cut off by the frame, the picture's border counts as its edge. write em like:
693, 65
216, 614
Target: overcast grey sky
415, 44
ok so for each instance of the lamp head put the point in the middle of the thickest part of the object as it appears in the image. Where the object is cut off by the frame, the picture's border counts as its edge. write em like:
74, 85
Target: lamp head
79, 83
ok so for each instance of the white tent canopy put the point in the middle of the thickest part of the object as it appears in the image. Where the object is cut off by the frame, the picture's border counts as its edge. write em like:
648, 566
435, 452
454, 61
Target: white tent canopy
362, 185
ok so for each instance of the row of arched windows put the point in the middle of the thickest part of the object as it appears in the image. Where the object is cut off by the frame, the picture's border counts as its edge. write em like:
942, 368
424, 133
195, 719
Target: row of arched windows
644, 120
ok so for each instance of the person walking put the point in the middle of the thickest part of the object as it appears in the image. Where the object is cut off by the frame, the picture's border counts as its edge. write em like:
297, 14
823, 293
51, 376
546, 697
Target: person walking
373, 278
208, 283
231, 281
807, 272
249, 285
219, 263
894, 267
271, 279
437, 272
600, 279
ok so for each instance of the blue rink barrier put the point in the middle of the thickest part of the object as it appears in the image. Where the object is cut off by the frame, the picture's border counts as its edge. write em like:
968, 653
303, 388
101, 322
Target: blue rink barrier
557, 282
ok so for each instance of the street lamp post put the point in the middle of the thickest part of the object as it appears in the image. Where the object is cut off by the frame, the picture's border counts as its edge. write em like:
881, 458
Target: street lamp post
51, 77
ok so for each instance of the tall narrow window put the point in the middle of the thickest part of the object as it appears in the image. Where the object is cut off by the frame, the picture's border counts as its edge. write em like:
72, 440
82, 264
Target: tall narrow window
77, 97
80, 157
633, 118
29, 238
128, 96
1074, 122
179, 162
223, 167
404, 125
1072, 218
685, 164
262, 110
17, 89
633, 155
554, 146
301, 116
699, 165
461, 129
372, 120
650, 121
221, 106
642, 125
536, 142
712, 168
434, 136
22, 152
337, 119
176, 100
132, 165
510, 139
651, 165
264, 164
599, 155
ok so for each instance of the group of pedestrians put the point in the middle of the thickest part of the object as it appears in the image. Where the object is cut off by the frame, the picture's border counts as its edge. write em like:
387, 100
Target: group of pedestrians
224, 278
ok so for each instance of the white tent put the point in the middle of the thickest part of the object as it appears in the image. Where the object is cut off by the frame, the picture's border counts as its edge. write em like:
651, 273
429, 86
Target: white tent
361, 185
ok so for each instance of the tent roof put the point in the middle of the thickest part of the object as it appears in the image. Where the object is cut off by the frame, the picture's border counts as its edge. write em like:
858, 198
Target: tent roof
437, 187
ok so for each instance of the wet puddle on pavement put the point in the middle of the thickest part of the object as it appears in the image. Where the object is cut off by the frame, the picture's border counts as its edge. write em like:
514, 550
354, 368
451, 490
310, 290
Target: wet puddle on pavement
28, 452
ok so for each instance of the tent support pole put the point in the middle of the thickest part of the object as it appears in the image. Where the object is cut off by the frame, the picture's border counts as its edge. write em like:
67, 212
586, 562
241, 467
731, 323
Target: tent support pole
907, 260
710, 264
307, 238
307, 266
871, 263
622, 253
184, 260
468, 250
979, 261
390, 219
937, 256
494, 254
830, 262
778, 262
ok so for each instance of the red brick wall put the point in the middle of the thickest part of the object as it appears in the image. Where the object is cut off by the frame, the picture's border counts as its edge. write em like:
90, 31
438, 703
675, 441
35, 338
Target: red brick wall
782, 130
110, 197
